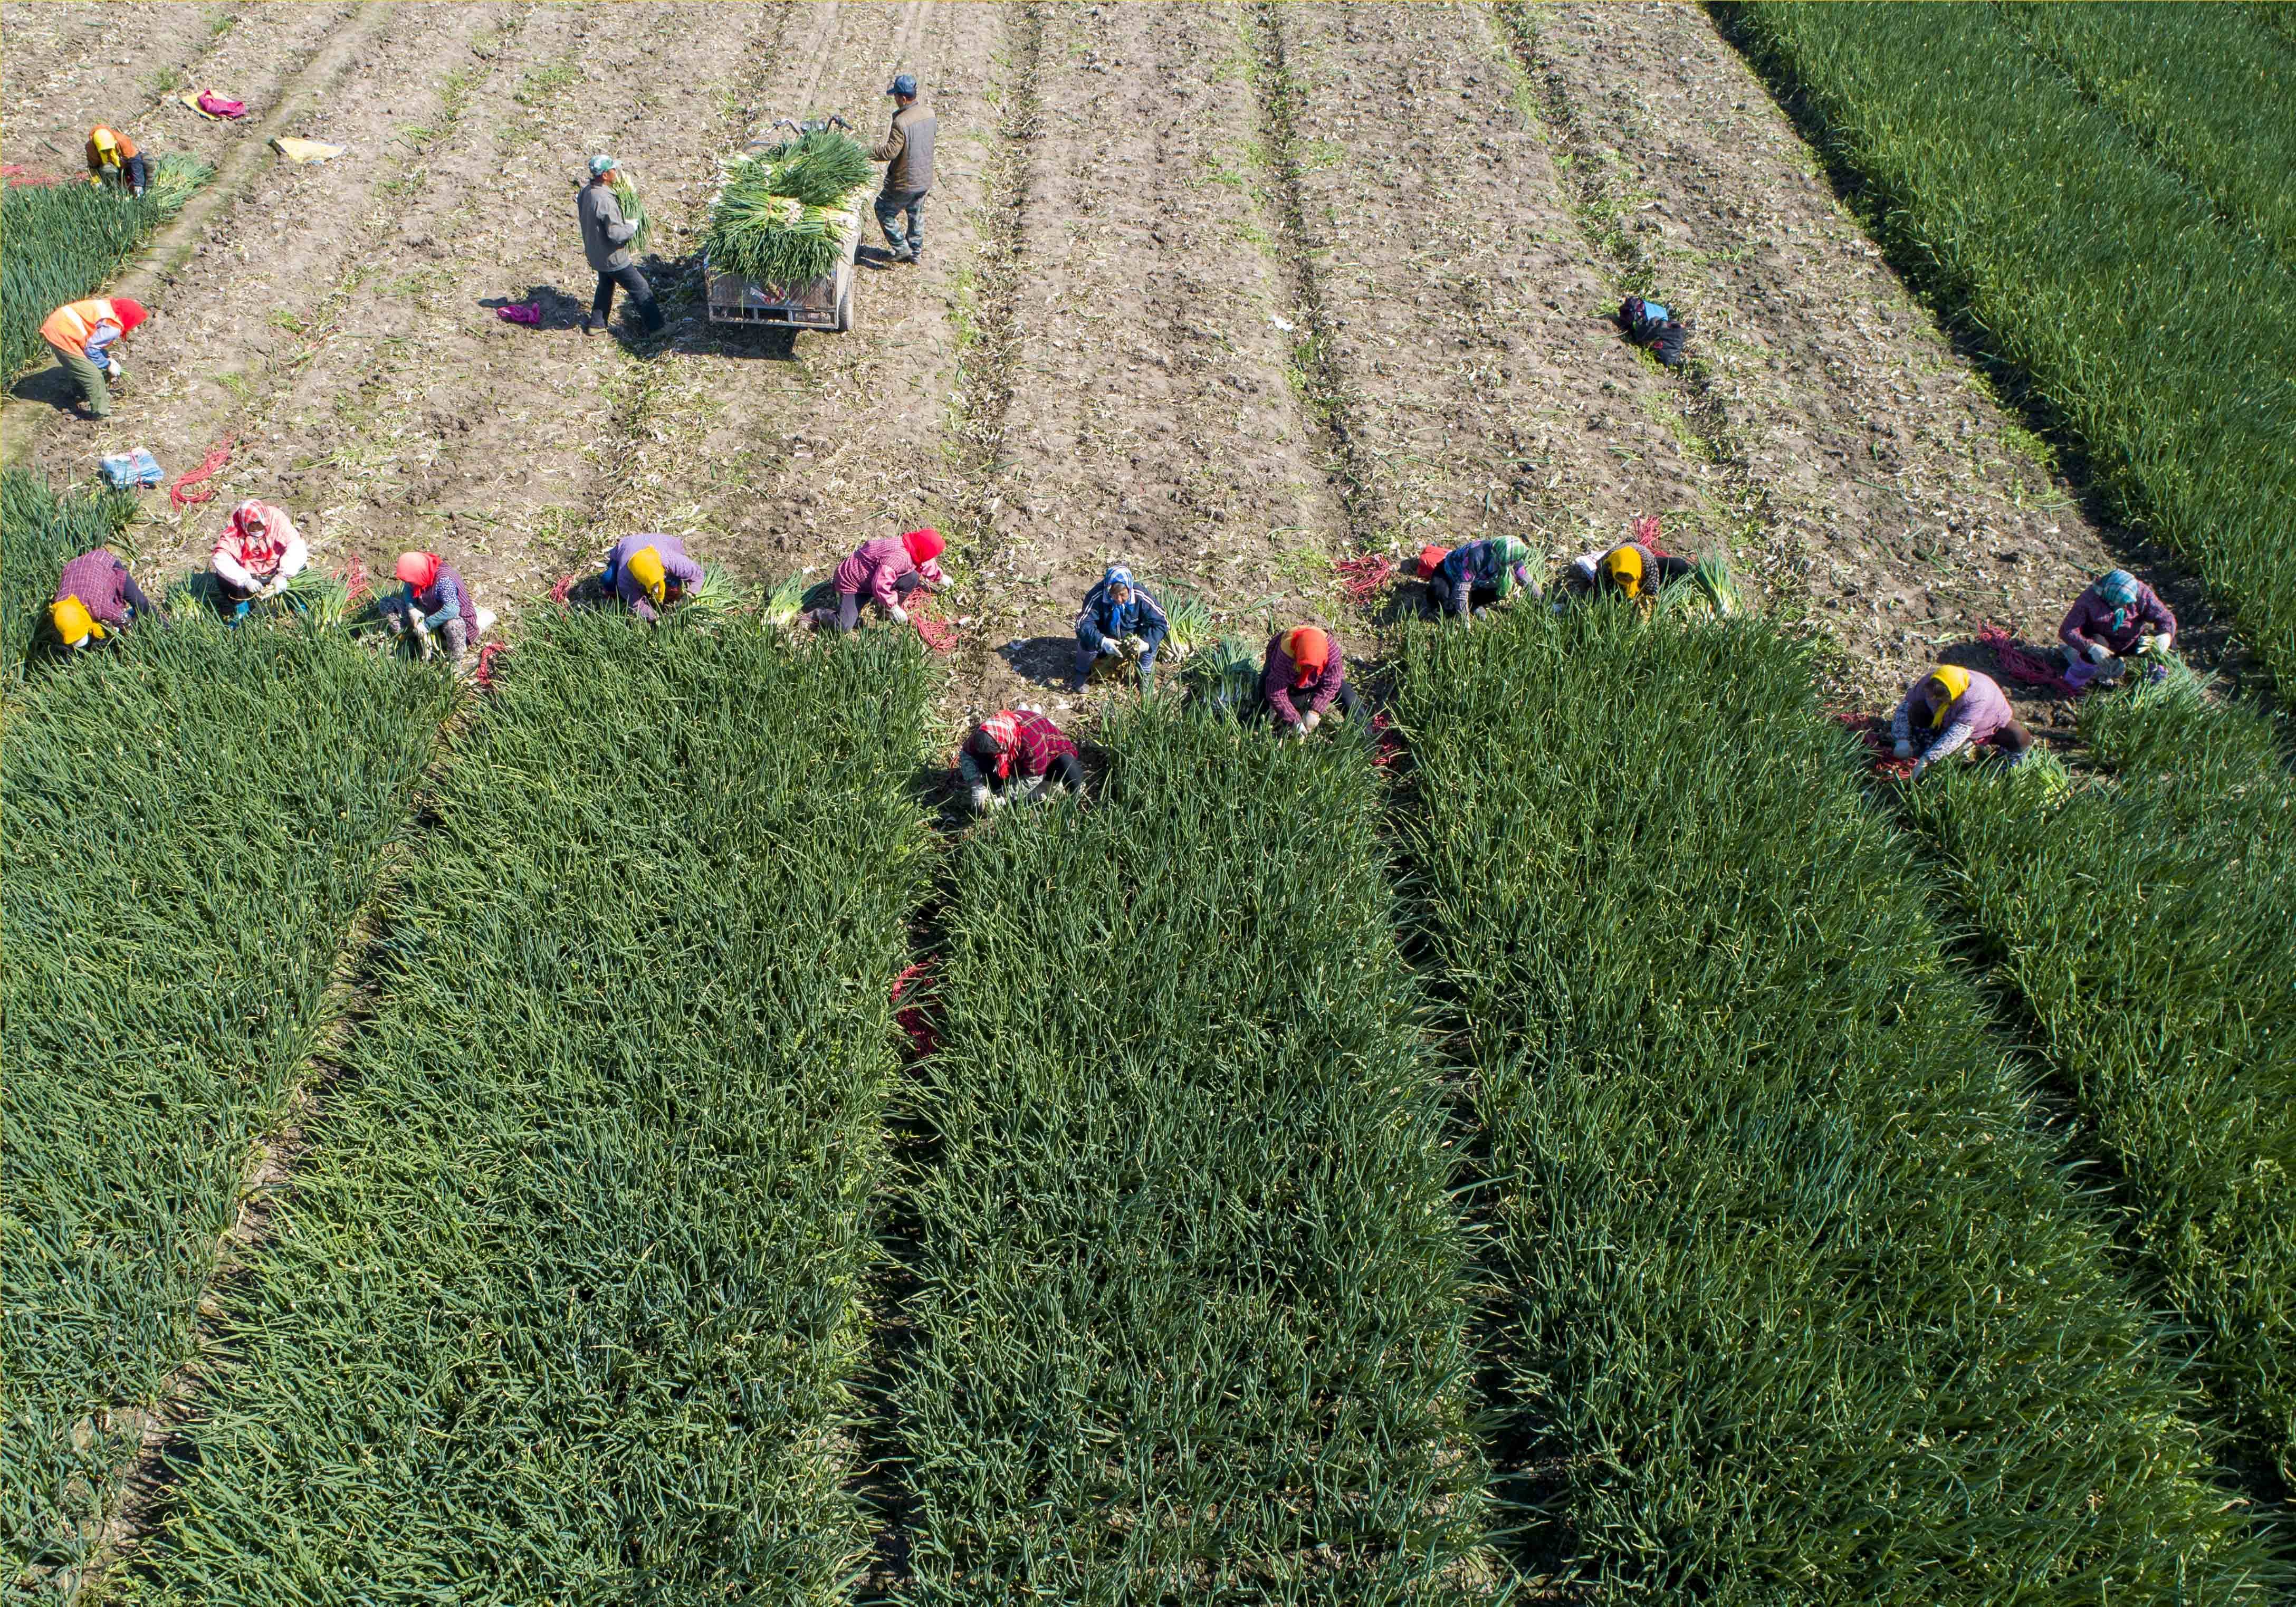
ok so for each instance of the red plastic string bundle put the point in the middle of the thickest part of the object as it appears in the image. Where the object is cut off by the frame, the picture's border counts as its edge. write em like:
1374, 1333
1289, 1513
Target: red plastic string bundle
565, 583
924, 1038
1361, 578
936, 633
354, 576
1646, 531
214, 461
2022, 666
483, 675
16, 173
1869, 730
1386, 746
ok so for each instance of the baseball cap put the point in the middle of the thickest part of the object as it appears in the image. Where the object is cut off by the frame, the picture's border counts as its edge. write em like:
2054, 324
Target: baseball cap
602, 164
904, 84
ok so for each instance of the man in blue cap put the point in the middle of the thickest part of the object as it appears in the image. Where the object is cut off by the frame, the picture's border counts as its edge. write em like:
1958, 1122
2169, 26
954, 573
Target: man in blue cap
907, 156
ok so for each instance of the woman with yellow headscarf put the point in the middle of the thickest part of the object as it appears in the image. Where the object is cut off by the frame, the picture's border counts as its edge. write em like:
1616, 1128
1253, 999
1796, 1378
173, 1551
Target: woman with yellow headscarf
649, 573
95, 599
1951, 708
1629, 570
114, 157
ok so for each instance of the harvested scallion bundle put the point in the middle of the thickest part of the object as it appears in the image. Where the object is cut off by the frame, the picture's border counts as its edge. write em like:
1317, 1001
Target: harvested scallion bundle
782, 216
634, 212
1189, 616
787, 598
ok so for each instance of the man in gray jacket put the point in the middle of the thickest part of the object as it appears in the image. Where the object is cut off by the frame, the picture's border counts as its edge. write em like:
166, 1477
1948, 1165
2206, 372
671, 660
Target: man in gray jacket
606, 243
907, 156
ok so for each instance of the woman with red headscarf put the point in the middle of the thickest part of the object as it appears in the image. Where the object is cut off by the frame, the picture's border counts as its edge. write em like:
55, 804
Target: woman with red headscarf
886, 571
434, 602
1303, 675
258, 553
82, 335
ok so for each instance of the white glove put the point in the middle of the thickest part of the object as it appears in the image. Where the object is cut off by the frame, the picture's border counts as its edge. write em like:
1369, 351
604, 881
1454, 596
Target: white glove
1920, 765
900, 615
1904, 751
1110, 647
424, 645
998, 801
982, 797
2098, 652
1310, 720
271, 588
2155, 645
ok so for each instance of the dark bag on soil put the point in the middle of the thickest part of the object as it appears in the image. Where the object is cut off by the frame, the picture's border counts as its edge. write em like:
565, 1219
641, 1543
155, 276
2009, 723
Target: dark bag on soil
1653, 325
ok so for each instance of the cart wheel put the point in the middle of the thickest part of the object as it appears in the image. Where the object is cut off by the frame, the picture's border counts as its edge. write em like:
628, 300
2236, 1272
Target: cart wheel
845, 308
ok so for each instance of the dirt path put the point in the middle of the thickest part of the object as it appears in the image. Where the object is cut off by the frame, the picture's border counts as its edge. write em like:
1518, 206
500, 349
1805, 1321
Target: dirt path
65, 67
1919, 508
1474, 389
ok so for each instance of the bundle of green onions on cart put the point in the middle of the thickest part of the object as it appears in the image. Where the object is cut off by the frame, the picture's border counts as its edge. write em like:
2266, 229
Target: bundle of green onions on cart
781, 215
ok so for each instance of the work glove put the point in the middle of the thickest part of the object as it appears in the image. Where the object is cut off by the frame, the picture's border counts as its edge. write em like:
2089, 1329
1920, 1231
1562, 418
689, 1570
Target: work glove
2154, 645
900, 614
998, 801
982, 800
424, 645
1110, 647
1903, 750
1310, 720
272, 588
2098, 652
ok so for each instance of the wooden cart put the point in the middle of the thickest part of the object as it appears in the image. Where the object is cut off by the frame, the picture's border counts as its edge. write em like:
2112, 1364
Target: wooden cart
824, 304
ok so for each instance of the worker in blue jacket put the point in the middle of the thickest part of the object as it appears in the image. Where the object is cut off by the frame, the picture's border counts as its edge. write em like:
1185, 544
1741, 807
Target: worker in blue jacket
1119, 617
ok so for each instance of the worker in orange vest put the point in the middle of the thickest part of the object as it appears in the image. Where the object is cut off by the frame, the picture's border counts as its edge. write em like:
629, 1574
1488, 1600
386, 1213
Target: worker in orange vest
114, 155
82, 334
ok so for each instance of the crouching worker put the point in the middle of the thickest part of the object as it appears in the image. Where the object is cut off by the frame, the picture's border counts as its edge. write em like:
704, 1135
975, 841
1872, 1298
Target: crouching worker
1479, 575
1017, 753
1302, 679
436, 606
82, 335
95, 598
1119, 617
1653, 323
1629, 570
648, 573
1950, 708
2119, 617
259, 553
885, 572
113, 158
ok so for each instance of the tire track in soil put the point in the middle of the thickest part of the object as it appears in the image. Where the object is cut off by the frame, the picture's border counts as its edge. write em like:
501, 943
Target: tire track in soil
1919, 507
71, 72
1463, 347
1147, 411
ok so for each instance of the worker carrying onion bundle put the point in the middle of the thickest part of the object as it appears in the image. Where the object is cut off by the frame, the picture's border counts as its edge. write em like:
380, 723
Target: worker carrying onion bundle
884, 571
113, 158
2119, 617
1017, 753
82, 335
1951, 708
1629, 570
95, 599
1481, 574
436, 606
1119, 617
259, 553
606, 236
1302, 676
649, 572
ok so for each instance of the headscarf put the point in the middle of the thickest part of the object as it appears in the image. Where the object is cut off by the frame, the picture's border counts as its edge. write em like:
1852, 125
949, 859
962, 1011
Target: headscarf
419, 570
106, 143
1954, 681
1510, 554
2118, 589
129, 312
1120, 615
250, 540
1002, 732
645, 567
74, 623
1623, 565
1309, 651
923, 546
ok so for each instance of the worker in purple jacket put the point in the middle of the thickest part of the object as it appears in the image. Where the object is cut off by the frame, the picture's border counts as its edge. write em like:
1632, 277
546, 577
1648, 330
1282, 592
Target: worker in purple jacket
95, 595
648, 573
436, 606
2117, 618
1948, 709
1302, 676
884, 571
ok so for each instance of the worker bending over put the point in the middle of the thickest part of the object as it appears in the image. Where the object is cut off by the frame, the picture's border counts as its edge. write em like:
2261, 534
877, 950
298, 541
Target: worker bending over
908, 155
82, 335
606, 237
1017, 753
95, 596
2119, 617
1629, 569
1302, 676
1950, 708
259, 553
113, 158
1480, 574
648, 573
885, 572
435, 604
1119, 617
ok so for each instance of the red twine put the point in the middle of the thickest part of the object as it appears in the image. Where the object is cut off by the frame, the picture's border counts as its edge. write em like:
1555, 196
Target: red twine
1360, 577
16, 173
1646, 531
214, 461
565, 583
354, 577
483, 675
936, 633
1868, 727
1386, 746
924, 1036
2019, 665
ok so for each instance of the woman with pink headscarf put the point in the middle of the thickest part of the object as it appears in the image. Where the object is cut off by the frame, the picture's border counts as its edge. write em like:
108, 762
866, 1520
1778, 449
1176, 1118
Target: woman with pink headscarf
436, 603
259, 553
